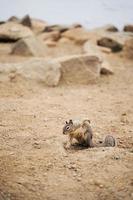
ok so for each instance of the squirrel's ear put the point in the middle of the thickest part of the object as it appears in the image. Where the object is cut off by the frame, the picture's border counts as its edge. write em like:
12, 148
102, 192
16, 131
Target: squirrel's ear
66, 122
70, 121
89, 121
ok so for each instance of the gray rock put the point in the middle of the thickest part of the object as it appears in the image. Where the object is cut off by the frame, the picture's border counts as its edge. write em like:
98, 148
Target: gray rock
29, 46
26, 21
110, 43
79, 69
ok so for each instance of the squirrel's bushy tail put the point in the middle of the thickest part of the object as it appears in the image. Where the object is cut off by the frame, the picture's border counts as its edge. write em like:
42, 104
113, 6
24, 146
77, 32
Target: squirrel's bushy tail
110, 141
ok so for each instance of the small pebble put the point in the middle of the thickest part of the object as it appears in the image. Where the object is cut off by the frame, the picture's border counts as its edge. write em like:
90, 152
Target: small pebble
99, 184
74, 174
79, 179
116, 157
36, 145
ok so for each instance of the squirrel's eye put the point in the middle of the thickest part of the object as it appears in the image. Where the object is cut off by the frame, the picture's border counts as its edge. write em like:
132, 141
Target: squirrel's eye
67, 128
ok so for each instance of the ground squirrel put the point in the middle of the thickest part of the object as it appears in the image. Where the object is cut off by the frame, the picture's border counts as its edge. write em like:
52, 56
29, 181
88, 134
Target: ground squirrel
82, 132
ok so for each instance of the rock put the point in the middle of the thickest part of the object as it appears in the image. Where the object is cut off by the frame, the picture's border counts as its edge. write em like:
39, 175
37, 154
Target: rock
105, 50
29, 46
2, 22
36, 145
64, 40
13, 19
94, 50
111, 28
128, 49
98, 33
106, 28
54, 36
79, 178
80, 69
128, 28
121, 37
38, 25
110, 43
106, 68
98, 183
59, 28
79, 35
35, 69
50, 43
77, 25
11, 31
77, 69
26, 21
116, 157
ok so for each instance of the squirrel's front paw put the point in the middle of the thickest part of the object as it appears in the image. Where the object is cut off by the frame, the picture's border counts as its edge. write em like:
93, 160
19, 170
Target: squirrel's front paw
67, 146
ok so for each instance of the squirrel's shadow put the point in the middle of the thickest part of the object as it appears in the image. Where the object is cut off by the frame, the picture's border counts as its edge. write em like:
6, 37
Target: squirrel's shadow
75, 147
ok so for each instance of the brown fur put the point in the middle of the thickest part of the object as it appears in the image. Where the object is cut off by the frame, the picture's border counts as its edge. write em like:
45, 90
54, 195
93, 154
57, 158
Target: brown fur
82, 132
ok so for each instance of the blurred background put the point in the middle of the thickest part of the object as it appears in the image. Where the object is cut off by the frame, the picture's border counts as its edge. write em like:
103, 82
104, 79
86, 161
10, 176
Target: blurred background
90, 13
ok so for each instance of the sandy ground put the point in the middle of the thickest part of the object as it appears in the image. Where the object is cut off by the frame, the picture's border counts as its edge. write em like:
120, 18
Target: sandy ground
33, 163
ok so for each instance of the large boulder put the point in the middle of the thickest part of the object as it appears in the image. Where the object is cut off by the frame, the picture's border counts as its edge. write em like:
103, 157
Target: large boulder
110, 43
29, 46
79, 69
11, 31
35, 69
128, 28
79, 35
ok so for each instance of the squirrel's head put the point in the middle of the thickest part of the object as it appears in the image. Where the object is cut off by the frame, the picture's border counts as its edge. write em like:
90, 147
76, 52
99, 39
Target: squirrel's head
68, 127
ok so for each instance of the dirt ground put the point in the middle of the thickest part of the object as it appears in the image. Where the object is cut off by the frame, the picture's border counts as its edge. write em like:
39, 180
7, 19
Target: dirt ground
33, 163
